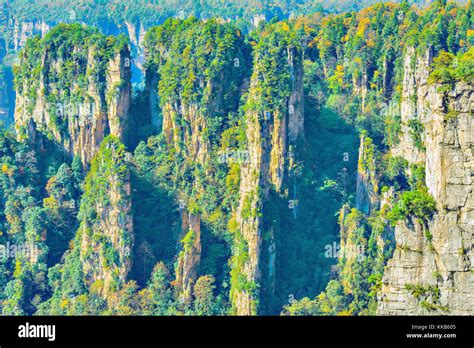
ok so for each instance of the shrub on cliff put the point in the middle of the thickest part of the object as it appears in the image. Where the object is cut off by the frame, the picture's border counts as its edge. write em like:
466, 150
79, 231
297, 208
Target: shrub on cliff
413, 204
448, 68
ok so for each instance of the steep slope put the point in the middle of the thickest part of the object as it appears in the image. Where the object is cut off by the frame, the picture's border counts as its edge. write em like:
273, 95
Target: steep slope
432, 269
273, 121
6, 79
73, 87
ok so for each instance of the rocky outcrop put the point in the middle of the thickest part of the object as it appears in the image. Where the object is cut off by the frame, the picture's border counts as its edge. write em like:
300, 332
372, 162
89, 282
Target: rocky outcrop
254, 188
18, 30
269, 133
414, 86
367, 198
4, 97
189, 256
151, 87
106, 232
136, 33
190, 140
189, 103
360, 87
353, 250
432, 269
95, 103
193, 94
387, 84
296, 100
22, 30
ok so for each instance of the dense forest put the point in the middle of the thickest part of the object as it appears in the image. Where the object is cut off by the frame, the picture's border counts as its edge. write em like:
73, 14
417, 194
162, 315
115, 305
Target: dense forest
316, 163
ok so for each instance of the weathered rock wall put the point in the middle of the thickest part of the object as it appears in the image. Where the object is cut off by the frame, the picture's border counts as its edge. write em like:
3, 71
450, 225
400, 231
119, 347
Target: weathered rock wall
432, 269
78, 126
269, 134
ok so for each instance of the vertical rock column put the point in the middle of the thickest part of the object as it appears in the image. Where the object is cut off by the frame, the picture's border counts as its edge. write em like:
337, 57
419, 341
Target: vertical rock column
79, 111
367, 182
106, 232
415, 78
269, 133
190, 256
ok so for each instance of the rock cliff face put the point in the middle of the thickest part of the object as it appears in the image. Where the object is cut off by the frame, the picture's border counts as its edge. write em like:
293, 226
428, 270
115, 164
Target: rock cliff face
201, 91
367, 182
185, 125
77, 100
22, 30
190, 256
296, 100
5, 73
360, 87
106, 232
415, 79
4, 97
269, 134
18, 30
353, 245
73, 89
136, 33
432, 269
190, 140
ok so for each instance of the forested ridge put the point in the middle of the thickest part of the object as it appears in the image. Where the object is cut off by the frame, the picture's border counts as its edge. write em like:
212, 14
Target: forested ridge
289, 168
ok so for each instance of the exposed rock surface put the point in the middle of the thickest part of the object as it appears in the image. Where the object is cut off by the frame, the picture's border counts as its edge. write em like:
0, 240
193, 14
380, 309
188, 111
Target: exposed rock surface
190, 255
189, 140
432, 269
269, 134
24, 30
106, 234
78, 126
415, 78
117, 228
367, 182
